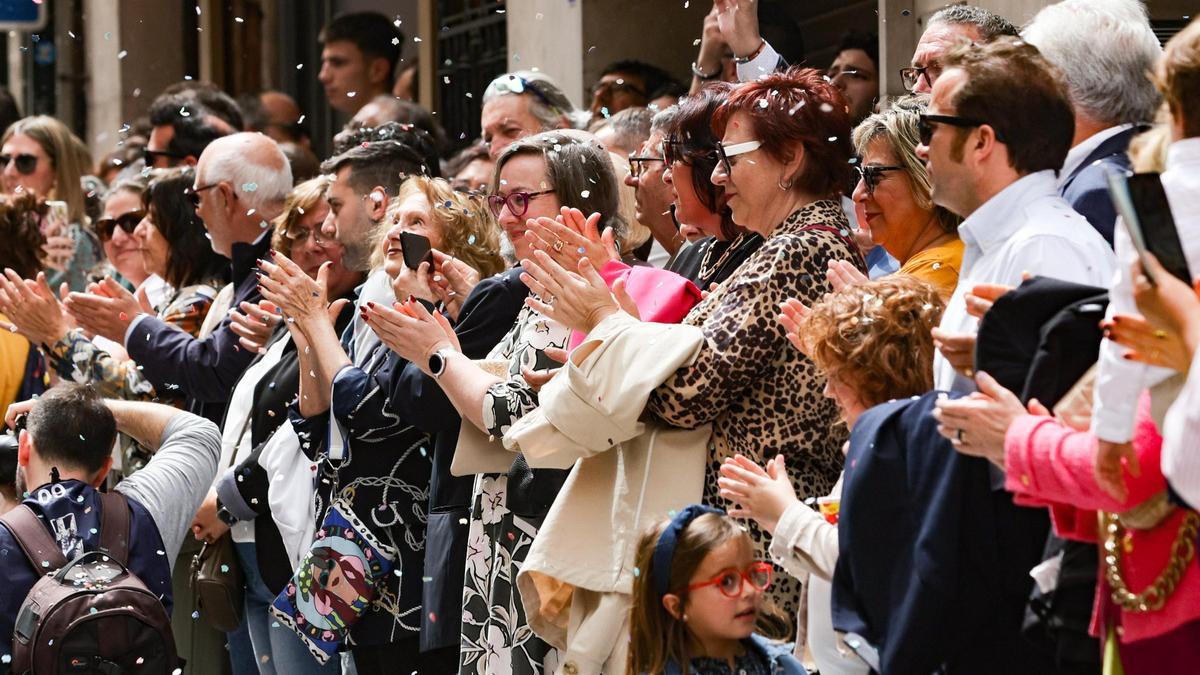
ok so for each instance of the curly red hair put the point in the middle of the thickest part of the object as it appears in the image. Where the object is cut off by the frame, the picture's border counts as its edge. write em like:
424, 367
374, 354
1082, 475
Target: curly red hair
797, 107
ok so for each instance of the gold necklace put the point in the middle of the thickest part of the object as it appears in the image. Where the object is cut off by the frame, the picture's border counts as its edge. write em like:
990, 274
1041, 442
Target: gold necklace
1152, 597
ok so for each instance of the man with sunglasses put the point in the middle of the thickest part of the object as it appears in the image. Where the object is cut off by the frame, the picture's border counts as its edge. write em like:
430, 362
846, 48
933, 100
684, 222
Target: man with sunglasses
998, 128
520, 104
625, 84
182, 126
947, 27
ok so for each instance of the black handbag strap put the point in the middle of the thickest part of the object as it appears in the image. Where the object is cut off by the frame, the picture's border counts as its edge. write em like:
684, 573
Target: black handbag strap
34, 539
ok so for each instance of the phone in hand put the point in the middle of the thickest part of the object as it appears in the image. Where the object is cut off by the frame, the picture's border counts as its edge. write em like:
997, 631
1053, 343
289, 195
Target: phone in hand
56, 221
417, 249
1143, 206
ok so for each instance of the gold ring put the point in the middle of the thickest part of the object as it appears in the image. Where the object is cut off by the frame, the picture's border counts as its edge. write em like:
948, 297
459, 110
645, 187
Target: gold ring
558, 245
1160, 334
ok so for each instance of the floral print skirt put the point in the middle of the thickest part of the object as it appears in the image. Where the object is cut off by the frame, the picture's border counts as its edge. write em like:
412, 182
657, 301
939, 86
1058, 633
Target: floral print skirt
495, 635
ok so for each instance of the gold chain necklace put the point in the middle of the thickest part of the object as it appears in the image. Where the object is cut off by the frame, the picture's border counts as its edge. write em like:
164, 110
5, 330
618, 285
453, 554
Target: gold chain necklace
1155, 595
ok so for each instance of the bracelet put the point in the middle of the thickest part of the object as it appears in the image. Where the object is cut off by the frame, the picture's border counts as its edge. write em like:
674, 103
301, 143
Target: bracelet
762, 44
700, 74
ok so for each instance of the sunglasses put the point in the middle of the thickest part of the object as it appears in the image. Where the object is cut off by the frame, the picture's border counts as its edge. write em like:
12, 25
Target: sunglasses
724, 152
927, 124
299, 235
149, 156
870, 175
515, 84
675, 150
26, 163
194, 193
731, 581
518, 202
616, 87
107, 227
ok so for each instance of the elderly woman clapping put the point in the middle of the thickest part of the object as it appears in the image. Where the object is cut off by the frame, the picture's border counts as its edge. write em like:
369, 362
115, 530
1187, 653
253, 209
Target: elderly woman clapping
782, 161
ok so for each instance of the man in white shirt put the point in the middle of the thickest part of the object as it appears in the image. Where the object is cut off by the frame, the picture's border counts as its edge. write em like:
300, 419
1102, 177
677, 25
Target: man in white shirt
1120, 382
999, 125
1103, 48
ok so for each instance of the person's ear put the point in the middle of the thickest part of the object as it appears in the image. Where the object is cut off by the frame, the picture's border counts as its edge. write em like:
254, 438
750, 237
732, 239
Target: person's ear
377, 72
986, 143
24, 448
377, 203
791, 168
103, 472
674, 606
190, 160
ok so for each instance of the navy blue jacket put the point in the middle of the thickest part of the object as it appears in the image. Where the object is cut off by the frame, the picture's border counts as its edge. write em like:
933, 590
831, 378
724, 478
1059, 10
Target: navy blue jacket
73, 509
486, 317
933, 564
1086, 189
203, 370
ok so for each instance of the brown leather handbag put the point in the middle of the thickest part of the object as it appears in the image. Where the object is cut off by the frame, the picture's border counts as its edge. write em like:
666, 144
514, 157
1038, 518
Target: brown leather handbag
217, 584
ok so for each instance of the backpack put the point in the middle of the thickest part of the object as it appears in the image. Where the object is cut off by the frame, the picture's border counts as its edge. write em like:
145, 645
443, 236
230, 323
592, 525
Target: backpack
89, 615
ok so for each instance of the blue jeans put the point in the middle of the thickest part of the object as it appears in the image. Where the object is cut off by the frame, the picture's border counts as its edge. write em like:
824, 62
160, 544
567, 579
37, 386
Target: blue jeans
276, 647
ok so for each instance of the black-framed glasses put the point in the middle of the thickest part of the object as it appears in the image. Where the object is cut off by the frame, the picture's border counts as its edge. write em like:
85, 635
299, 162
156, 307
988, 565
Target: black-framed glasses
870, 174
927, 123
724, 152
910, 76
26, 163
149, 156
675, 150
106, 227
194, 193
637, 165
518, 202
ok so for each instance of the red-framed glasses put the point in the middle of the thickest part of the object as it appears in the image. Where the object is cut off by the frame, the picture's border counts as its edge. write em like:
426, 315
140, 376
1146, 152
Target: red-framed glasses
729, 581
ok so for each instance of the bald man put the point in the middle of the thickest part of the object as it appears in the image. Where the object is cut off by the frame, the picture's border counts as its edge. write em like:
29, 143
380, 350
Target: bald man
281, 118
240, 184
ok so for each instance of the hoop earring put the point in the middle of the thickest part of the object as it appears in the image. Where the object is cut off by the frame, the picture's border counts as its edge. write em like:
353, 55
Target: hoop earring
785, 185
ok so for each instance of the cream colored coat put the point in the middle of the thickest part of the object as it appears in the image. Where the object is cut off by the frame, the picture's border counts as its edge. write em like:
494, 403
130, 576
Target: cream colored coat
577, 581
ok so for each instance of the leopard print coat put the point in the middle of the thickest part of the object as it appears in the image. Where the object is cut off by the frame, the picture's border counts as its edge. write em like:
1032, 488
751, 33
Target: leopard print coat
761, 395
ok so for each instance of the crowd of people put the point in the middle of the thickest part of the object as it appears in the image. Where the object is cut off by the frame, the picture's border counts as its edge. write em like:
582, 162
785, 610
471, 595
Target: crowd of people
761, 375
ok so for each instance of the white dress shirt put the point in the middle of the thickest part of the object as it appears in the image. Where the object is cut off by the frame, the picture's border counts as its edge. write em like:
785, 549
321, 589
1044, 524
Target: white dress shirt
1026, 227
1180, 461
1119, 383
763, 64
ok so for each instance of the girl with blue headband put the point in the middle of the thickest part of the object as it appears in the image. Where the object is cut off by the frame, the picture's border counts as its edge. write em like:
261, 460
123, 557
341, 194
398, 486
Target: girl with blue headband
698, 598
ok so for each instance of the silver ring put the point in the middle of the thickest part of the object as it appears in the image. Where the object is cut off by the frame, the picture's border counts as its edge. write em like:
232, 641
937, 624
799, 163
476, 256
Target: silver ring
550, 300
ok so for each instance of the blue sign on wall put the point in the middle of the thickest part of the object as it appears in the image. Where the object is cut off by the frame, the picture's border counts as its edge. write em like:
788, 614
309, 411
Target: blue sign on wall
28, 15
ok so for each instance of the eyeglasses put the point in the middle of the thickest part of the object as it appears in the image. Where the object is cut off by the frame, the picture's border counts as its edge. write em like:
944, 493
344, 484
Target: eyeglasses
870, 175
677, 151
515, 84
730, 581
518, 202
107, 227
149, 155
26, 163
910, 76
927, 123
299, 235
617, 86
637, 165
194, 193
724, 152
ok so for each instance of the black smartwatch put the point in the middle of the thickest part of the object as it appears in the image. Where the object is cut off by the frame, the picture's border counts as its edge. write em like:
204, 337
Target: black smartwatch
437, 361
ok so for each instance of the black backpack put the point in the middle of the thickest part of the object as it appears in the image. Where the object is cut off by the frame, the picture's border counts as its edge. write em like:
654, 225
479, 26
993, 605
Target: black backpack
89, 615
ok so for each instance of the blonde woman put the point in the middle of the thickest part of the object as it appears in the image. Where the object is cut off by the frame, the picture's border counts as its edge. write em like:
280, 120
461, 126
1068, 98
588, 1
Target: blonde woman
40, 155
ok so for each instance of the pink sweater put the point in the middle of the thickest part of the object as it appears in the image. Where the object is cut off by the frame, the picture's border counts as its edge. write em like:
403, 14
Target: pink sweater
1051, 465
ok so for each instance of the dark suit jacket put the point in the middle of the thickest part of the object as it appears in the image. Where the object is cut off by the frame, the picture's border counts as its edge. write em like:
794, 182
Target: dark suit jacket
933, 564
203, 370
1086, 189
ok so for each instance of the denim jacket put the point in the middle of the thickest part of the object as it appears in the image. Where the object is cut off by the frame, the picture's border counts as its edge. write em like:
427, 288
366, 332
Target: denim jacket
778, 655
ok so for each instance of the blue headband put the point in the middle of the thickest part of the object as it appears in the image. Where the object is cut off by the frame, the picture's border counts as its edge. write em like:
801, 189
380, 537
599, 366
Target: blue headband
664, 550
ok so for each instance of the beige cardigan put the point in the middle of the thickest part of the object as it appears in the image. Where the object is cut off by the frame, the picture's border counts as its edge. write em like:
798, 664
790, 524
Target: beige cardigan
577, 581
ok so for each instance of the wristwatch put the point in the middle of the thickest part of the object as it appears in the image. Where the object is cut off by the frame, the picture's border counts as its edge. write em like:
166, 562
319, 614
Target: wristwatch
224, 515
437, 361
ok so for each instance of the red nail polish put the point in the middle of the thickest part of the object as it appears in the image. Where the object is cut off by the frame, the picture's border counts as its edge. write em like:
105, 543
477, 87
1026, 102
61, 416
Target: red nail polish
411, 298
371, 305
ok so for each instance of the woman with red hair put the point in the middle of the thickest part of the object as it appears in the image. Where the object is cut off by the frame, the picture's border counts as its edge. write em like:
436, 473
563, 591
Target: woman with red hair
783, 164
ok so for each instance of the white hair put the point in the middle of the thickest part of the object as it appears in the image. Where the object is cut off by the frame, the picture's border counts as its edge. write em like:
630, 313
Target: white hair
1106, 50
259, 173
